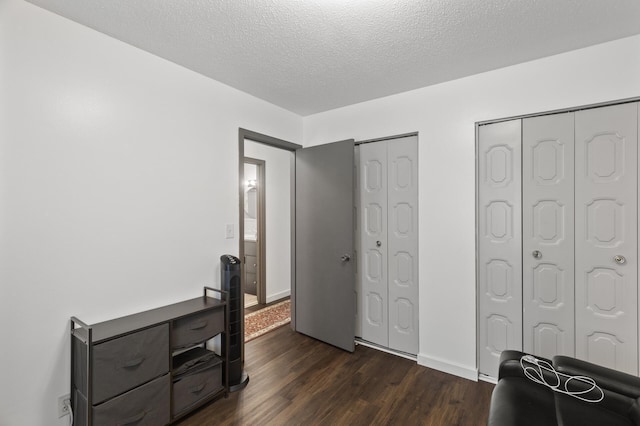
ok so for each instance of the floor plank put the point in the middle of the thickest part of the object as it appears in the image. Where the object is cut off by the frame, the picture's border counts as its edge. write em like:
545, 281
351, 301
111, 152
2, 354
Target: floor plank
297, 380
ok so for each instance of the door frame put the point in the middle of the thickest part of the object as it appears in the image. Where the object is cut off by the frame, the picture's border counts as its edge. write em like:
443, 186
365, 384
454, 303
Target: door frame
275, 143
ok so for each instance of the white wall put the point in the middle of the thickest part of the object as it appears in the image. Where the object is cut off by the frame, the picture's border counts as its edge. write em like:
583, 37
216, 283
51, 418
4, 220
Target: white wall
118, 173
278, 216
444, 115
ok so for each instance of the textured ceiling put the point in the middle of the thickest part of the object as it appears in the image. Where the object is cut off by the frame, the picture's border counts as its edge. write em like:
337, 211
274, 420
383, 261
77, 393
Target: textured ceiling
315, 55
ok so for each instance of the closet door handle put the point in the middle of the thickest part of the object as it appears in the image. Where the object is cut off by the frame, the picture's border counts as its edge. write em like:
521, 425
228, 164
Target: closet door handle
537, 254
619, 259
345, 258
378, 243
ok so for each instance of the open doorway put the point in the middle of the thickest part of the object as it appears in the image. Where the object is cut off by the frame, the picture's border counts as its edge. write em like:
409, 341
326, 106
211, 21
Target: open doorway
276, 234
270, 249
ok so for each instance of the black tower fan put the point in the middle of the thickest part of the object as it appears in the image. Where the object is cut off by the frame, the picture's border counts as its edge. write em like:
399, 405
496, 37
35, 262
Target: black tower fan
230, 282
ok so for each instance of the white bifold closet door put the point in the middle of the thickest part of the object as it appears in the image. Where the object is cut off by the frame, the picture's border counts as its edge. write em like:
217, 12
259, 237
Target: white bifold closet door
580, 236
499, 243
579, 258
548, 236
388, 243
606, 236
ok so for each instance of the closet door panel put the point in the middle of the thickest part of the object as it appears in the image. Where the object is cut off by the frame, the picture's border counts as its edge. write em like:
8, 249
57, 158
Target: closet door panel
373, 243
402, 248
547, 232
499, 242
606, 236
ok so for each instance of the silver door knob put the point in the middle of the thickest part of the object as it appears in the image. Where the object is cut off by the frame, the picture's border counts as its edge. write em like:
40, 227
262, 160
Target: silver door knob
619, 259
345, 258
537, 254
378, 243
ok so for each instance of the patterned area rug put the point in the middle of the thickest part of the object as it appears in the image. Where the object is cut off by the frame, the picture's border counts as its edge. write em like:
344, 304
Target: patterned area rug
260, 322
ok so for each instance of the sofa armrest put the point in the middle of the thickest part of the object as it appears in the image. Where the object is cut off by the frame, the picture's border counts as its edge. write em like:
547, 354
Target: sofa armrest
606, 378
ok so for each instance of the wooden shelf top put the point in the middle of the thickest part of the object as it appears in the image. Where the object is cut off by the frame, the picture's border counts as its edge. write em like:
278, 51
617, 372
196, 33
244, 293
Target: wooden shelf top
117, 327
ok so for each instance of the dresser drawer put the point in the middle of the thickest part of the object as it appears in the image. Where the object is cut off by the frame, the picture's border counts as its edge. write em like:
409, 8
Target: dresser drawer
126, 362
190, 389
197, 328
146, 405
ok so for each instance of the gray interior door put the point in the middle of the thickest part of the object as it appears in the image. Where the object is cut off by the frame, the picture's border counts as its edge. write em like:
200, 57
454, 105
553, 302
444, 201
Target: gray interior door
325, 271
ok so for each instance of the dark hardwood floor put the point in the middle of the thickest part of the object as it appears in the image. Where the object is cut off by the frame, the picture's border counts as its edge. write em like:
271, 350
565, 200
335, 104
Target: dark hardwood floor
296, 380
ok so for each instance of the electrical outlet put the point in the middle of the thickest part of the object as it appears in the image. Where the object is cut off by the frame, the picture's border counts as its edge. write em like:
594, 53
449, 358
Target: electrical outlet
64, 405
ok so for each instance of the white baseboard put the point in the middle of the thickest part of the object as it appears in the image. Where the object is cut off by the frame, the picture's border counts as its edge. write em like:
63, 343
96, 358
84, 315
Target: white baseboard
488, 379
448, 367
278, 296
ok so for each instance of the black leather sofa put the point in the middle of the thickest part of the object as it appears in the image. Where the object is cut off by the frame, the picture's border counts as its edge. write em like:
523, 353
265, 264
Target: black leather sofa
519, 401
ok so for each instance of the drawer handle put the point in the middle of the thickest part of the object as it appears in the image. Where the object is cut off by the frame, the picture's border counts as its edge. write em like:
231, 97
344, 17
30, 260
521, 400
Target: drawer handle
133, 362
199, 325
133, 419
197, 389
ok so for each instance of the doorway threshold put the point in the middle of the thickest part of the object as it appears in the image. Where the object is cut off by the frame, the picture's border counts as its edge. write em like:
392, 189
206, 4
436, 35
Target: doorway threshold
371, 345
